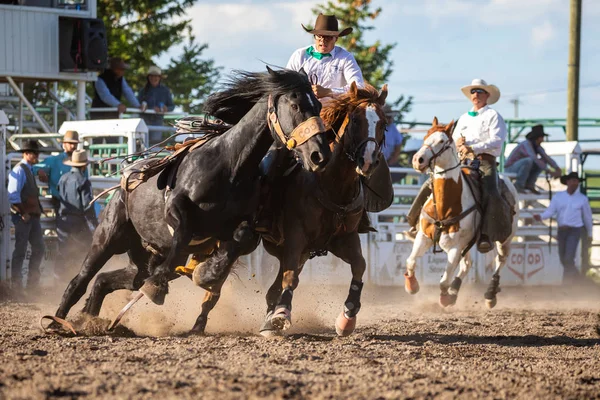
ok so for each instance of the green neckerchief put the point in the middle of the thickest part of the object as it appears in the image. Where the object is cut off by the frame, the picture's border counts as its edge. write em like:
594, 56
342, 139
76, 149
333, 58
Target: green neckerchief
311, 52
473, 113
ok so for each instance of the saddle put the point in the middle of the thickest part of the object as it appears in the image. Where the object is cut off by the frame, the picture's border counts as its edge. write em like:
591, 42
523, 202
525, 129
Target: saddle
142, 170
504, 206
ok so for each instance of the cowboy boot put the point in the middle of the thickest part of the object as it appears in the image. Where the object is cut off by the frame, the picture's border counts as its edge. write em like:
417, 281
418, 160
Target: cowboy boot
264, 216
415, 210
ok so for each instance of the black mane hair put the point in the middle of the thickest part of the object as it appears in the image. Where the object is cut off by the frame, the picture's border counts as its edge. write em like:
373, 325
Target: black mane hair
245, 89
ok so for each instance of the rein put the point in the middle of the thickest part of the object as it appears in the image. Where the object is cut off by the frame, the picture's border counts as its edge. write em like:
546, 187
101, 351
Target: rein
354, 156
440, 225
301, 133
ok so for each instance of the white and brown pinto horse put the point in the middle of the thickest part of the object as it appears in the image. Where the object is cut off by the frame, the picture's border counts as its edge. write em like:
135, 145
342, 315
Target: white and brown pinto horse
451, 207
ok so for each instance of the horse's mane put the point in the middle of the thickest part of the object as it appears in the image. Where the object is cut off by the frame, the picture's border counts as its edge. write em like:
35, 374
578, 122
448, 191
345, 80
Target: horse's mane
338, 107
245, 89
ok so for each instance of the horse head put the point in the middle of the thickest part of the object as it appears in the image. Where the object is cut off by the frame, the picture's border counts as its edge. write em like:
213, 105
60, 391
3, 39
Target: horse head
295, 122
434, 152
292, 111
362, 130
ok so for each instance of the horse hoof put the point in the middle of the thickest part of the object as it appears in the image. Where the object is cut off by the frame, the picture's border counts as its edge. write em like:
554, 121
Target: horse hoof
156, 293
491, 303
344, 326
447, 300
282, 319
199, 327
270, 334
411, 285
267, 330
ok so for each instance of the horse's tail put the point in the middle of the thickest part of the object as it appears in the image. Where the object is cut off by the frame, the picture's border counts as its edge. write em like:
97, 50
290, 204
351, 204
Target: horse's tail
515, 221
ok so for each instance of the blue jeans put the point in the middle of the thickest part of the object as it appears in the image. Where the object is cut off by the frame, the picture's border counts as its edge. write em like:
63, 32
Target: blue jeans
27, 232
527, 172
568, 240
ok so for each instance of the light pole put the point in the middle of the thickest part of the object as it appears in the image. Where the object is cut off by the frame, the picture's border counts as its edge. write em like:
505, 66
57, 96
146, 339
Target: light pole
573, 71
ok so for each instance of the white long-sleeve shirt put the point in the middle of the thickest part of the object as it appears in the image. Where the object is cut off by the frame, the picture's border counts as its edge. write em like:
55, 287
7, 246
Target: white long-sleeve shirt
336, 72
572, 210
484, 133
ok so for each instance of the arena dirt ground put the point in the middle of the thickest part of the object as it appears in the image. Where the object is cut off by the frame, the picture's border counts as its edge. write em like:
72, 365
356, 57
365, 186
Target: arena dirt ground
538, 343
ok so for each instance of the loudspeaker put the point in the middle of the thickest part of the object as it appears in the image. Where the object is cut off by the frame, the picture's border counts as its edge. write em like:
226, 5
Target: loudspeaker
82, 44
94, 45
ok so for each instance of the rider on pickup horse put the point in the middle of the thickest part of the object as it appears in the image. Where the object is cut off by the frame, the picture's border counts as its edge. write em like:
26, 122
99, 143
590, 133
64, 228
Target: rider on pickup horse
479, 133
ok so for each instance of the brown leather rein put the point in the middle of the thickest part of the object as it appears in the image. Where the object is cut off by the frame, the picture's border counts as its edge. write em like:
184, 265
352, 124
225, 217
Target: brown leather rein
301, 134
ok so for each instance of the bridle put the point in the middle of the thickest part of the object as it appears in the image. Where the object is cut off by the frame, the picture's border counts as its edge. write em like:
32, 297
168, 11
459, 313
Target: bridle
447, 145
301, 133
355, 155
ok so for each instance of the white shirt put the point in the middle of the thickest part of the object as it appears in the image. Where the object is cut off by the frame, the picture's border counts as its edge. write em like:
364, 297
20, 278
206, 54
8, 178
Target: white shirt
573, 210
484, 133
336, 72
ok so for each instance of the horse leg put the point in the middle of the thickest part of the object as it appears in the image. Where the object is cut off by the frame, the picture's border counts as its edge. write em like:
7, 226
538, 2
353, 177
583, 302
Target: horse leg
494, 286
107, 283
156, 286
211, 297
112, 236
291, 263
420, 246
464, 267
348, 248
129, 278
449, 294
213, 273
267, 329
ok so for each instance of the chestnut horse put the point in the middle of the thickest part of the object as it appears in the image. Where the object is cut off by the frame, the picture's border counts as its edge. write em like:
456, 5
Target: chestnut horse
453, 209
319, 212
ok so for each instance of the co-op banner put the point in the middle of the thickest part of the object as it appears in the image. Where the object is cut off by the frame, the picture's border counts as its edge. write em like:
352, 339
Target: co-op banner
528, 264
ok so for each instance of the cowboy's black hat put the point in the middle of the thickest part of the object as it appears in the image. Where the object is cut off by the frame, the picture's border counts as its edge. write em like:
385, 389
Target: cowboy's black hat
536, 132
572, 175
31, 145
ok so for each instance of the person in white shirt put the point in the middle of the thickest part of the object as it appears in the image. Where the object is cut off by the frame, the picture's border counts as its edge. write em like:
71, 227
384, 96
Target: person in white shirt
331, 71
479, 133
330, 68
573, 212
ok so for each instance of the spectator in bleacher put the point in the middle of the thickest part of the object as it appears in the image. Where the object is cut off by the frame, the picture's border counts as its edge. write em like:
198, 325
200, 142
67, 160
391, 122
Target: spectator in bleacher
572, 211
23, 195
52, 168
393, 138
393, 143
528, 159
76, 217
155, 96
109, 88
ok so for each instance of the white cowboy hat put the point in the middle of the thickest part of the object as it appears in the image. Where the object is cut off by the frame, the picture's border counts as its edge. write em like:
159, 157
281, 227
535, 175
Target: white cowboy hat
154, 70
481, 84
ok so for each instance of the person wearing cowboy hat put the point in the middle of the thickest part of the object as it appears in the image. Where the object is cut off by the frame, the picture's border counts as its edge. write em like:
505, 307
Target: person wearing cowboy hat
155, 96
572, 211
76, 216
331, 69
528, 159
52, 168
23, 195
480, 134
109, 88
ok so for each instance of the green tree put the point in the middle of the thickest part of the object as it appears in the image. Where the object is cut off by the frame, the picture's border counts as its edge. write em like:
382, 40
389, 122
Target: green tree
373, 59
139, 31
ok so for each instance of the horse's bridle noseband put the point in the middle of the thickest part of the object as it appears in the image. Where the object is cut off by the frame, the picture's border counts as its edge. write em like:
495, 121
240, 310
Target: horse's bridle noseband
301, 133
447, 145
354, 156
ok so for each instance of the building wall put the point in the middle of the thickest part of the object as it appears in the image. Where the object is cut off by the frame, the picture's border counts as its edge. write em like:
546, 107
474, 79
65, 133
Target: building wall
29, 46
